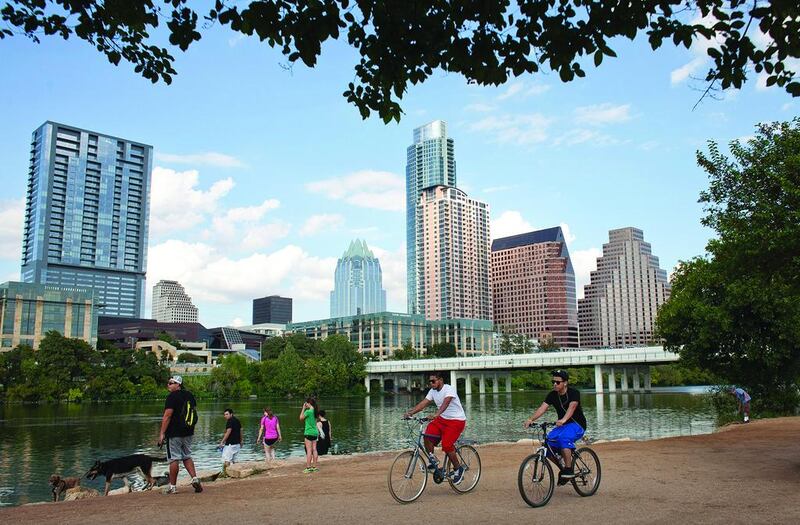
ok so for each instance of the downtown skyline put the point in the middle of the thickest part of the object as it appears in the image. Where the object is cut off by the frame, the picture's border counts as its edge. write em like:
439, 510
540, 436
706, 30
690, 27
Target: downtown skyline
242, 208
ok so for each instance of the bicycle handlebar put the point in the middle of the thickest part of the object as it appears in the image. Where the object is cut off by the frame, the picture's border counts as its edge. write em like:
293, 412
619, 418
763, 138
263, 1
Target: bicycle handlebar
418, 419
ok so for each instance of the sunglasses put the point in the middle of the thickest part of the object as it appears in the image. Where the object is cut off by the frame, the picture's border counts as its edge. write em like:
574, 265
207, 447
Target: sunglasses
557, 382
432, 380
172, 382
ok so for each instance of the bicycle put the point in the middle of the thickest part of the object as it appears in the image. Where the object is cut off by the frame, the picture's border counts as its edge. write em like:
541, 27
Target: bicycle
408, 474
536, 480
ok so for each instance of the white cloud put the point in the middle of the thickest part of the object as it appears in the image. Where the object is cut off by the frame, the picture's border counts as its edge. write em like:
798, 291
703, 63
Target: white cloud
602, 114
226, 223
261, 236
538, 89
650, 145
576, 136
322, 222
236, 322
677, 76
12, 219
787, 106
177, 204
495, 189
393, 268
367, 189
568, 236
584, 262
509, 223
514, 129
210, 158
512, 90
211, 275
479, 108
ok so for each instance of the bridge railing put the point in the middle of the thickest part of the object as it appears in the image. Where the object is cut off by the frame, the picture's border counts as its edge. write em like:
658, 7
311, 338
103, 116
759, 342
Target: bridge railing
639, 355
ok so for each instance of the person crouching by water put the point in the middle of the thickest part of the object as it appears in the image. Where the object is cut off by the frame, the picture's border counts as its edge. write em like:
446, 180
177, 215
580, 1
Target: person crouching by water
742, 401
232, 439
308, 414
270, 428
324, 428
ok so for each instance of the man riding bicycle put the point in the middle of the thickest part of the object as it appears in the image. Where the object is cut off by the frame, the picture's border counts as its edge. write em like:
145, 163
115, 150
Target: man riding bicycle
571, 423
447, 423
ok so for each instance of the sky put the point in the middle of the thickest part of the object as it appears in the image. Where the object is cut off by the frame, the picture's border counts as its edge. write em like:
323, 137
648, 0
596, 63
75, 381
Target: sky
263, 174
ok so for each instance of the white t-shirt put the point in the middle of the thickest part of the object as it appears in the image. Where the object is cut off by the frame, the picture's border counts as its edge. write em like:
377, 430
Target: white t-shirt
454, 409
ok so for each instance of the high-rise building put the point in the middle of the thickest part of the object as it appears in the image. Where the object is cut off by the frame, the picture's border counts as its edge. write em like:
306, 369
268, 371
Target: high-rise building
621, 301
86, 217
453, 256
272, 309
171, 304
430, 161
358, 283
533, 287
28, 311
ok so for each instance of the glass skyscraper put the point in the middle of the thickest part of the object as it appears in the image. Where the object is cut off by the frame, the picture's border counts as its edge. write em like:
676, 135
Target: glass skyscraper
358, 283
430, 161
86, 217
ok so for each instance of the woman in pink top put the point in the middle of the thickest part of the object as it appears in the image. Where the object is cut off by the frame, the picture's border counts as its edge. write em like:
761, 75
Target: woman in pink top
270, 428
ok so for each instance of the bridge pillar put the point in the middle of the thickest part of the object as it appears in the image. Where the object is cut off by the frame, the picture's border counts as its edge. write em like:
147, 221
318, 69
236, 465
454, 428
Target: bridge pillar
647, 381
624, 380
482, 384
468, 384
383, 383
508, 383
367, 379
495, 386
598, 379
612, 380
396, 384
636, 379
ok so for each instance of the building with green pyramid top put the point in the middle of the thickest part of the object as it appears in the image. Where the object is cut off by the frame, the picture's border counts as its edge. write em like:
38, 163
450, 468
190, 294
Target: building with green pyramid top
358, 283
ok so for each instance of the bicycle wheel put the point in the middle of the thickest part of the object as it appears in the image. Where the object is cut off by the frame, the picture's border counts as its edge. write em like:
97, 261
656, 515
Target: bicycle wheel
587, 471
536, 481
408, 476
471, 461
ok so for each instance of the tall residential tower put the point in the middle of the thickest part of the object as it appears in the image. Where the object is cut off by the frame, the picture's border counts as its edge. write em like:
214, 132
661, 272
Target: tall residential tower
86, 217
621, 301
358, 283
533, 287
430, 161
452, 267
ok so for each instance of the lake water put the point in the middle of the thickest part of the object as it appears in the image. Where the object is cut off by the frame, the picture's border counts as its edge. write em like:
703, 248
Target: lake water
37, 441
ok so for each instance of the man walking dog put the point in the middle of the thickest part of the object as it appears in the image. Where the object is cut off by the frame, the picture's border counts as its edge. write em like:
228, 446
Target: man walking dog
177, 429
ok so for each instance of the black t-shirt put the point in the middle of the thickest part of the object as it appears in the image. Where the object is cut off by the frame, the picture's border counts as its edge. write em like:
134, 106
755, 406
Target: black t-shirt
176, 401
235, 437
561, 404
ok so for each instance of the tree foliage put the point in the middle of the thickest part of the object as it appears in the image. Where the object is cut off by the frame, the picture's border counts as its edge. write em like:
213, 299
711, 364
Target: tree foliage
401, 43
736, 311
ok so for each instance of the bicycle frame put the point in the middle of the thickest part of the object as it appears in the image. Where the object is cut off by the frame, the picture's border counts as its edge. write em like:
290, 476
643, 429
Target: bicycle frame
421, 452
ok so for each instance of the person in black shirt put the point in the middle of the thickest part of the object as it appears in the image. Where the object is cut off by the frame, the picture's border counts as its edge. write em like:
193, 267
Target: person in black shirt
176, 434
232, 440
571, 423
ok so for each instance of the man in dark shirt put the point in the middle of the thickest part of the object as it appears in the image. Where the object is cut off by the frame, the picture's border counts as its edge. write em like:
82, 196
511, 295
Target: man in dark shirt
232, 440
177, 435
571, 423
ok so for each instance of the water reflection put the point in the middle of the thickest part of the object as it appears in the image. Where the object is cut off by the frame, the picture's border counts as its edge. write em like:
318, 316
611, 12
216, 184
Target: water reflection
38, 441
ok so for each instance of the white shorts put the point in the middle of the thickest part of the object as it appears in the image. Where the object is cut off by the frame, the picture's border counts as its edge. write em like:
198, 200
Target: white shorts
229, 453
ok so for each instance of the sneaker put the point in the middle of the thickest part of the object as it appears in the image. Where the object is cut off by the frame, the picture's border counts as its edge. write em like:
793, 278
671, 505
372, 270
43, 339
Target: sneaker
308, 470
314, 469
458, 475
433, 463
196, 484
172, 489
567, 473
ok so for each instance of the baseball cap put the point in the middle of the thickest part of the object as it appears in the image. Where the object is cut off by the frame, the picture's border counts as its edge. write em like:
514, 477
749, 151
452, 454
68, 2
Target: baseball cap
177, 379
560, 373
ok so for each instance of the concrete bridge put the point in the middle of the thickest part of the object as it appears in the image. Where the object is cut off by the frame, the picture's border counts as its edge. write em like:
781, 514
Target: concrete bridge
627, 362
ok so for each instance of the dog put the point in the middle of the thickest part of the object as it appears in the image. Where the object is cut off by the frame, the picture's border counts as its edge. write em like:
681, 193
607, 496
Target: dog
60, 485
121, 467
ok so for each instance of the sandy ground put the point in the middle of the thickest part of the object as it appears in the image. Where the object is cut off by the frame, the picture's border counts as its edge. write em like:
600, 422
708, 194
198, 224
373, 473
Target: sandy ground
743, 474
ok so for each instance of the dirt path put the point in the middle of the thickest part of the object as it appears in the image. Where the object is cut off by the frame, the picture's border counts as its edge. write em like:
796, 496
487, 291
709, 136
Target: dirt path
744, 474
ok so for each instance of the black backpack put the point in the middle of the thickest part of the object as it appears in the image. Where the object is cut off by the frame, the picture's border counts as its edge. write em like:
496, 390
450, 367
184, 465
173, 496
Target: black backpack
187, 415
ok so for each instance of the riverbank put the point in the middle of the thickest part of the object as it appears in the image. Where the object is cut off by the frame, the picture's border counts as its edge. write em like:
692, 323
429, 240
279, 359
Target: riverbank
742, 474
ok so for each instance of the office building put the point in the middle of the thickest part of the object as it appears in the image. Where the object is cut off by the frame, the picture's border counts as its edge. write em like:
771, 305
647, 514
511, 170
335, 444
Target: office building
381, 334
358, 283
273, 309
430, 161
620, 303
453, 278
86, 217
171, 304
28, 311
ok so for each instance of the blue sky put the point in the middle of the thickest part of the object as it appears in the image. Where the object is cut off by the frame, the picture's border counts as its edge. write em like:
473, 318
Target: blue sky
263, 175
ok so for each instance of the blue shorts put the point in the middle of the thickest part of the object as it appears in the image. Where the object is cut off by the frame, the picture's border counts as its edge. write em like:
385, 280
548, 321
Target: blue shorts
565, 436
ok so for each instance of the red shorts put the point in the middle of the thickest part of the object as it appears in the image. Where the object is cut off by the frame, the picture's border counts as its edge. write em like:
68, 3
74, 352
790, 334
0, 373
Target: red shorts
447, 430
